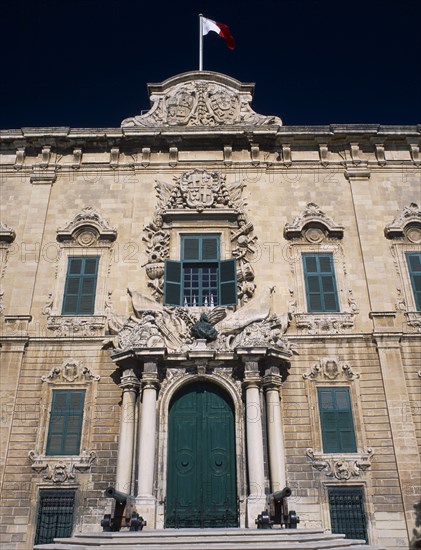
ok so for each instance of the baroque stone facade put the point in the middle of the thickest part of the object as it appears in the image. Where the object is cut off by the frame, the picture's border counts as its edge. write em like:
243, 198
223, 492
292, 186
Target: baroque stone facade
202, 163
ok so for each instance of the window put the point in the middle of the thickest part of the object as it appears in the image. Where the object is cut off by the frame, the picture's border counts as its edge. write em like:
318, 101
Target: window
55, 515
79, 293
414, 266
65, 426
319, 275
336, 421
200, 278
347, 515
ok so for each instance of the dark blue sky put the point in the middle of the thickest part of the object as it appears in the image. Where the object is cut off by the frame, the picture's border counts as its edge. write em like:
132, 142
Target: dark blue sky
86, 63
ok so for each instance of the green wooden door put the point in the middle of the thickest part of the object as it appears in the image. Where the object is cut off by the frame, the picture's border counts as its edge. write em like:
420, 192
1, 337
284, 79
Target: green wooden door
201, 487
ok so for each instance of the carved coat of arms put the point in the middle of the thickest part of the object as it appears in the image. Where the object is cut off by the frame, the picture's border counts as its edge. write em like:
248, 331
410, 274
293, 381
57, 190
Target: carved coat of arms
180, 107
199, 188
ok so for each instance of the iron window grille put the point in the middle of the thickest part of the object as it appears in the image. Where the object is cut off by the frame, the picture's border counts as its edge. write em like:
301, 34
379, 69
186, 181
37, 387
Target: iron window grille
347, 513
55, 515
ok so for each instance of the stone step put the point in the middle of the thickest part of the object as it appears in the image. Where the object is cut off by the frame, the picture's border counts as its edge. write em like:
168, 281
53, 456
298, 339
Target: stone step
210, 539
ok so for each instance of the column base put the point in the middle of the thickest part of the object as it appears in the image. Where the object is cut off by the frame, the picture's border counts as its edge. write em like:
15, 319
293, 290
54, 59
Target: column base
146, 508
255, 506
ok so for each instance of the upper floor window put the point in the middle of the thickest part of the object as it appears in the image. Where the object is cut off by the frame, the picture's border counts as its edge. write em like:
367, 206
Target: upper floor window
201, 278
65, 425
414, 267
337, 425
320, 283
80, 287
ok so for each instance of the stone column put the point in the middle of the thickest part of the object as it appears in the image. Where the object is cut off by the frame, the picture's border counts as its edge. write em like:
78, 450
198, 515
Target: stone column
272, 385
254, 433
129, 384
145, 500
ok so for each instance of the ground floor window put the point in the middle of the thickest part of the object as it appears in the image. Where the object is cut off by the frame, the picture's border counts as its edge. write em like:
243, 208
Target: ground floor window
55, 515
347, 512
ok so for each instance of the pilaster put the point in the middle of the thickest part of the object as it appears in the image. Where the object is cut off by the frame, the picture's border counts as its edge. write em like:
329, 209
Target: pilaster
387, 340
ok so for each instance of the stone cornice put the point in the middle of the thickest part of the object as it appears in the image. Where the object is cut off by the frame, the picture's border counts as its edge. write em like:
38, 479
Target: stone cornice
65, 135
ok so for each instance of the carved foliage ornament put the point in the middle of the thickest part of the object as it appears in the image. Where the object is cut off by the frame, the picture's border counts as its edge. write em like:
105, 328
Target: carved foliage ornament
201, 102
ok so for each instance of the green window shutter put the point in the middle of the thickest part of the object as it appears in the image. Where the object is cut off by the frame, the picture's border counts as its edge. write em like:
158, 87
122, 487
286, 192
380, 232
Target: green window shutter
172, 287
190, 249
414, 266
200, 248
228, 282
210, 249
320, 283
65, 427
80, 288
336, 421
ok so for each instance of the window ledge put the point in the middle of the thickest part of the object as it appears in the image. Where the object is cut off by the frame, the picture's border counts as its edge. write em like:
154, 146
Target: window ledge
61, 468
341, 466
77, 325
324, 323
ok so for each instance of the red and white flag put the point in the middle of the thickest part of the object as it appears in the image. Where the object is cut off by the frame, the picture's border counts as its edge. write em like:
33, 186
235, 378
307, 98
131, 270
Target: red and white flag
219, 28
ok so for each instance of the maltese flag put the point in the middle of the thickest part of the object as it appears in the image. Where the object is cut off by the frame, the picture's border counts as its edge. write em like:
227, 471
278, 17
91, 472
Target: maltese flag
219, 28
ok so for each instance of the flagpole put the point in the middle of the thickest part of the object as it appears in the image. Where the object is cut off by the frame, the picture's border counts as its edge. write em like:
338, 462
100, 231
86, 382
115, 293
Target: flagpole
200, 42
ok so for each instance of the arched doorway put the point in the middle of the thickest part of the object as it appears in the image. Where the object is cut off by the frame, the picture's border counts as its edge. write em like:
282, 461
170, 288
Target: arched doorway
201, 482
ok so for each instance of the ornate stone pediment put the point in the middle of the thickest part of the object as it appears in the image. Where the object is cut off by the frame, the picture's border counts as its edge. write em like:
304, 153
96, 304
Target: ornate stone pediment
200, 98
86, 228
313, 225
406, 224
7, 234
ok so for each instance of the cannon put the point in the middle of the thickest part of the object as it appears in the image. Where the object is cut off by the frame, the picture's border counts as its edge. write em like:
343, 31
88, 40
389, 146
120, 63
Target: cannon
276, 512
124, 514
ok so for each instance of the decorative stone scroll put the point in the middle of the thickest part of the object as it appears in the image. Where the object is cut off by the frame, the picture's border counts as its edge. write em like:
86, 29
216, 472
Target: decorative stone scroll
407, 224
68, 326
342, 467
200, 99
330, 369
64, 470
200, 192
313, 225
328, 323
86, 228
70, 371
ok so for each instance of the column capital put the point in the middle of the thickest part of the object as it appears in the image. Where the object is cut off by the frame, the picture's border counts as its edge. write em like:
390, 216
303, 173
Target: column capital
272, 382
150, 381
252, 380
129, 381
